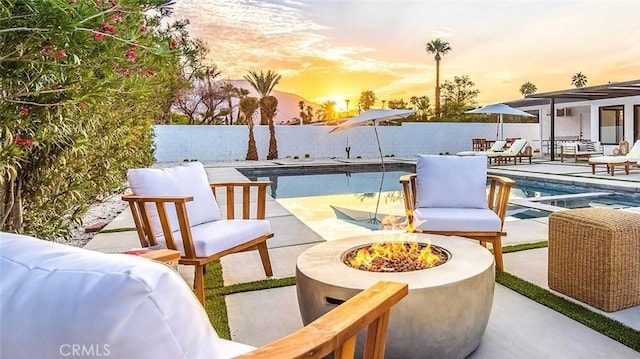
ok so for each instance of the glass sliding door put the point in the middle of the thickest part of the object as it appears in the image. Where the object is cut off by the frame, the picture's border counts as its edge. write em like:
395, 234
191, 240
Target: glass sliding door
636, 123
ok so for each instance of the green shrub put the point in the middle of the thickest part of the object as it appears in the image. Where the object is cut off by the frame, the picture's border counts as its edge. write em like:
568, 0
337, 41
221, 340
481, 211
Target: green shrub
82, 82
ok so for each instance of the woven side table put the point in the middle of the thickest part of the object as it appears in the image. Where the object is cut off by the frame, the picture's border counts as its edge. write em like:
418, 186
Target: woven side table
594, 256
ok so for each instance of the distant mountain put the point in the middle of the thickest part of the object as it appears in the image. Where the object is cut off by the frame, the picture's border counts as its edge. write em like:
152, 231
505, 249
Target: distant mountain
287, 102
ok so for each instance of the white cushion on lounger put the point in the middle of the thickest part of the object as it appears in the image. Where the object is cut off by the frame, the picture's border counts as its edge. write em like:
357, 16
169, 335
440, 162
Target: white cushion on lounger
189, 179
53, 296
451, 181
457, 219
213, 237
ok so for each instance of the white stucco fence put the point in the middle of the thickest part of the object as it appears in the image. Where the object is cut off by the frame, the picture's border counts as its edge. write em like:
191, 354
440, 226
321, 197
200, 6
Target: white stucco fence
174, 143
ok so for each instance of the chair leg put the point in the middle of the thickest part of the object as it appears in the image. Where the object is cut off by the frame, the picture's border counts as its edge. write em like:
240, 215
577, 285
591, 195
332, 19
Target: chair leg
264, 256
199, 283
497, 253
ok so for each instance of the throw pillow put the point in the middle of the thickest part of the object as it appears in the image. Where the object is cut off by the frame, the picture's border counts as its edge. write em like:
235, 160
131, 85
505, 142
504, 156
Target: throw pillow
451, 181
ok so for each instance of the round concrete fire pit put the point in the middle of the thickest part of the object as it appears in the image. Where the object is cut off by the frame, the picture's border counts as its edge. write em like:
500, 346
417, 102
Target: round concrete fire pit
445, 313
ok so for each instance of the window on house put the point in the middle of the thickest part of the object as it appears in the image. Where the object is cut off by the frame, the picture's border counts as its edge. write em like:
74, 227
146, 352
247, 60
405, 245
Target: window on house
611, 124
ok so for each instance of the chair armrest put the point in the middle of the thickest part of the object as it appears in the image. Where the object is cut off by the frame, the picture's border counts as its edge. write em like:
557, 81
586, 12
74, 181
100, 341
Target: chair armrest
499, 192
337, 329
246, 197
142, 199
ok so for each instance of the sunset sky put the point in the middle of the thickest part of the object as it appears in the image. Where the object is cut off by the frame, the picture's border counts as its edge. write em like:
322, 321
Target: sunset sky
335, 49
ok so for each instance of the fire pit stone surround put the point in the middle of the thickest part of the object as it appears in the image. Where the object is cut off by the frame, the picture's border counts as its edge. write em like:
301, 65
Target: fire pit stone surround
448, 306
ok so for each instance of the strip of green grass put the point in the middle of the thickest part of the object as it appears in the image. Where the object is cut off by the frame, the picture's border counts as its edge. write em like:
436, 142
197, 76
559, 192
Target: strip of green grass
215, 305
598, 322
524, 247
117, 230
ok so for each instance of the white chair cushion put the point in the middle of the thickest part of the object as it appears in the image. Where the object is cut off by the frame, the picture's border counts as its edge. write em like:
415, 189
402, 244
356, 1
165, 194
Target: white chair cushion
451, 181
457, 219
515, 147
635, 150
53, 296
214, 237
498, 145
186, 180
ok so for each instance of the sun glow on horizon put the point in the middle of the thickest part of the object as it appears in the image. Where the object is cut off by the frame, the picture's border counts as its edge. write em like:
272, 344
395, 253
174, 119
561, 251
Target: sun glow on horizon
334, 53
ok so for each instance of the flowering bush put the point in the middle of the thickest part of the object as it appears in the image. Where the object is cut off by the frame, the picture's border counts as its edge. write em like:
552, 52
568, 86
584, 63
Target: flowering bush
81, 84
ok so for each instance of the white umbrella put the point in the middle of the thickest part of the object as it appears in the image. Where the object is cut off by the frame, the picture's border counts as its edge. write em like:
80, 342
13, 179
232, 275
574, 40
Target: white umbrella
373, 117
501, 109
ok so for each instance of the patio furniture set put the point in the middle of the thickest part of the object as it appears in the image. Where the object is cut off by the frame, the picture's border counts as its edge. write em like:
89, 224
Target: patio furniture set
104, 301
501, 151
626, 161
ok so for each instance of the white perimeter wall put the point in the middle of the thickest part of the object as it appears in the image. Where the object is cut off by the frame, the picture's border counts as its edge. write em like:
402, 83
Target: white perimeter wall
174, 143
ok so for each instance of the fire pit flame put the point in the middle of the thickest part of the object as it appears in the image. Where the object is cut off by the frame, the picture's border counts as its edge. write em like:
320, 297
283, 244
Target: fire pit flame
396, 257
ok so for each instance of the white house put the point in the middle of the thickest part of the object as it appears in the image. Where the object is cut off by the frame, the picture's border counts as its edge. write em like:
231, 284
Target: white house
605, 113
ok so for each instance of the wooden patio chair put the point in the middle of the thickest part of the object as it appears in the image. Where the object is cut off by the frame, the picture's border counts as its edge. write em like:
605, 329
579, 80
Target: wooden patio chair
448, 195
177, 207
104, 302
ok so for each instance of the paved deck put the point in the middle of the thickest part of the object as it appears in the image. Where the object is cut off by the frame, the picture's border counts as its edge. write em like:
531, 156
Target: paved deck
518, 327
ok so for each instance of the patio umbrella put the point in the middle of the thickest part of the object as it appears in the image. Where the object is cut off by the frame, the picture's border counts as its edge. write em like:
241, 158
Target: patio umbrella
501, 109
373, 117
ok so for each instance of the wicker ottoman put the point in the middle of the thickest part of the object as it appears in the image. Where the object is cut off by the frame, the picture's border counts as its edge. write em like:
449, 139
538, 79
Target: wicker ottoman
594, 256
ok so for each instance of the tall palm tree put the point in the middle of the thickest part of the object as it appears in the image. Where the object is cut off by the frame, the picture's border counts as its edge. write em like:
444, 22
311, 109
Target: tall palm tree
241, 93
229, 91
579, 80
264, 84
528, 88
439, 48
248, 106
367, 99
347, 102
270, 104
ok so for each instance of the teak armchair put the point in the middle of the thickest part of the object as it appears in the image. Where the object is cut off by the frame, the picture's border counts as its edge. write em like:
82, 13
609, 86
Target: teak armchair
103, 302
448, 196
177, 207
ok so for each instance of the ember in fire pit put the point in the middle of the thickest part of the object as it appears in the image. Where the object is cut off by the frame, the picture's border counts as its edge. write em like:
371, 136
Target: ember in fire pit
396, 257
448, 306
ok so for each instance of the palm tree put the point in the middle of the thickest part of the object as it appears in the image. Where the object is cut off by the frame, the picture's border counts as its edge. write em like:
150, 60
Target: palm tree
241, 93
347, 102
579, 80
367, 99
326, 111
264, 84
383, 102
229, 91
528, 88
439, 48
270, 104
248, 106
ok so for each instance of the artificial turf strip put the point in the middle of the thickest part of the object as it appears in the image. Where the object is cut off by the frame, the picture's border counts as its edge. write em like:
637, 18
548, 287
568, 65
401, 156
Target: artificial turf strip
116, 230
214, 304
524, 247
598, 322
259, 285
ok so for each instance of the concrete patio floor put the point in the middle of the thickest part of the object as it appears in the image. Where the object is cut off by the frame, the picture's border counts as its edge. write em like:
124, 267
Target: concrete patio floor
518, 327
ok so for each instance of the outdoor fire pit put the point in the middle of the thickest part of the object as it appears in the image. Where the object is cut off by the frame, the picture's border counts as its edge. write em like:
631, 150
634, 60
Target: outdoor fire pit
448, 306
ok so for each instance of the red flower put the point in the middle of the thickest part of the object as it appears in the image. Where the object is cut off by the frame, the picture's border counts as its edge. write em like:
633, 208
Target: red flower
47, 49
131, 55
83, 105
151, 73
98, 37
60, 54
24, 111
116, 18
142, 29
111, 29
23, 141
173, 44
125, 71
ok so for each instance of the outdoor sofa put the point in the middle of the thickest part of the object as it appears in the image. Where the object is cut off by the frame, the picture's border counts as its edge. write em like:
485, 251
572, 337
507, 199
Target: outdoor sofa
577, 150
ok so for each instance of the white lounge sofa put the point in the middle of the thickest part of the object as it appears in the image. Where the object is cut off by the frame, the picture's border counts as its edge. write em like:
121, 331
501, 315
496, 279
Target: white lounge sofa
578, 150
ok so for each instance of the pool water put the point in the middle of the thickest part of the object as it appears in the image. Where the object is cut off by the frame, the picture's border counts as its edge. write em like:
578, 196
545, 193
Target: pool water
313, 195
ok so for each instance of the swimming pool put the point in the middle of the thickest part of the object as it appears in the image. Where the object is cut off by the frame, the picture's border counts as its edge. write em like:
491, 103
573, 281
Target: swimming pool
316, 194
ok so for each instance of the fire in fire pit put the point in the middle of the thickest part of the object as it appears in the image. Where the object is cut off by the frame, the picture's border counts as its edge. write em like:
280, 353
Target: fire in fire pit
395, 257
